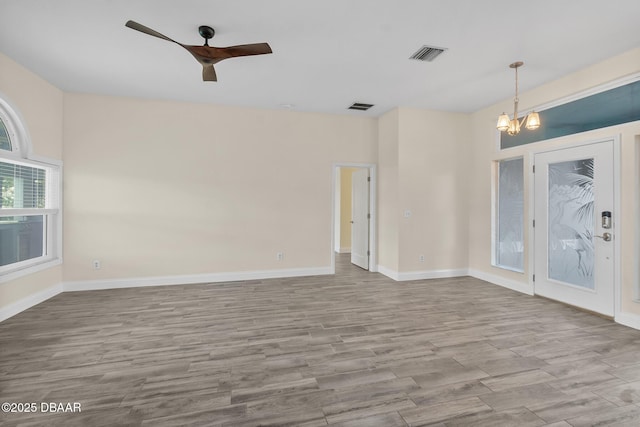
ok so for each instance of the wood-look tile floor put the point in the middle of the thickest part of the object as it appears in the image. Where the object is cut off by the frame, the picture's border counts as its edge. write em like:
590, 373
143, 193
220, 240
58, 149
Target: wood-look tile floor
354, 349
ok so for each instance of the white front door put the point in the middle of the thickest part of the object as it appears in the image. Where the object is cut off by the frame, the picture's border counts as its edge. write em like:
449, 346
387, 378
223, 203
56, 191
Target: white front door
360, 218
574, 249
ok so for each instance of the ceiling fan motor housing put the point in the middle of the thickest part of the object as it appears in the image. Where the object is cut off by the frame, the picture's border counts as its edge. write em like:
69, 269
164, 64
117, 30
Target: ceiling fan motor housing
206, 32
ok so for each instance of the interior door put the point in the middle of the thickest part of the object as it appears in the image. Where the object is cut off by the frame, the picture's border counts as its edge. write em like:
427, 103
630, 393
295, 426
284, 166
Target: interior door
574, 250
360, 218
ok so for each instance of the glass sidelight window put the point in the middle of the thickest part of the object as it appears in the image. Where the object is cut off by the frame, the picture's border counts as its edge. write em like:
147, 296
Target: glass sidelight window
509, 238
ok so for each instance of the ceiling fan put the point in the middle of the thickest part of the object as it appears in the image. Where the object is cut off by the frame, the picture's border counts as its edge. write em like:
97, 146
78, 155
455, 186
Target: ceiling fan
208, 55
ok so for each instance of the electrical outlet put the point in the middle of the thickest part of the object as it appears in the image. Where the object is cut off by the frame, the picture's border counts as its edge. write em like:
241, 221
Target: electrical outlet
421, 258
407, 213
96, 264
279, 256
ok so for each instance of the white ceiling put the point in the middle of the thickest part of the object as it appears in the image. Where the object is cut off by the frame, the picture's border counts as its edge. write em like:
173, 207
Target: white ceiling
327, 53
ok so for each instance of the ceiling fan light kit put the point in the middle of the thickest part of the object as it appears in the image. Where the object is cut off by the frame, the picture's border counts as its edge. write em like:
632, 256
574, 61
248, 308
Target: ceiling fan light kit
207, 55
512, 126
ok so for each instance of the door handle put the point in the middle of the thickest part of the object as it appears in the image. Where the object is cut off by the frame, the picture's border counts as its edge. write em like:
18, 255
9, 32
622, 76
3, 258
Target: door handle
605, 236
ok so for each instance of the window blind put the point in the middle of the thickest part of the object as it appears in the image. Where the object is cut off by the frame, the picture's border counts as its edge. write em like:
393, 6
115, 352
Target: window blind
22, 186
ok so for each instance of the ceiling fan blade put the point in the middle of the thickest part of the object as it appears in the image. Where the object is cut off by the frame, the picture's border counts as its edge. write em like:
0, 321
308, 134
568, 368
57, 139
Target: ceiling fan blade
247, 49
212, 55
209, 74
139, 27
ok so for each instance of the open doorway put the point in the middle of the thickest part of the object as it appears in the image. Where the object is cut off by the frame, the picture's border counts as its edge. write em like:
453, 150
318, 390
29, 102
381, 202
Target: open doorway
354, 214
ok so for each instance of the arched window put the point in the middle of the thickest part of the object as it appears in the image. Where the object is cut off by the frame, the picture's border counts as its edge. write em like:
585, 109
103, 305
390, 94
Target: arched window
5, 142
30, 220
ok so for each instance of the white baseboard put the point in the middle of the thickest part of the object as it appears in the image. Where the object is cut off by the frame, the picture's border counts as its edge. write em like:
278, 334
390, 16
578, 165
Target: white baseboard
28, 302
514, 285
392, 274
628, 319
134, 282
432, 274
421, 275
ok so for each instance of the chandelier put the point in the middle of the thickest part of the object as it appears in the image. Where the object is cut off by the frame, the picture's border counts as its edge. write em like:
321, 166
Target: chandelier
512, 126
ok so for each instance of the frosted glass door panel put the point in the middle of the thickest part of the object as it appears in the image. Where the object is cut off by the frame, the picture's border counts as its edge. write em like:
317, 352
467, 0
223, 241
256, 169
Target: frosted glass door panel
571, 222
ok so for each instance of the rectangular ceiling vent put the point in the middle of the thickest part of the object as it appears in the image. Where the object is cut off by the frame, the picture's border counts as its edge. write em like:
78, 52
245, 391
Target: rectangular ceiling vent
427, 53
360, 106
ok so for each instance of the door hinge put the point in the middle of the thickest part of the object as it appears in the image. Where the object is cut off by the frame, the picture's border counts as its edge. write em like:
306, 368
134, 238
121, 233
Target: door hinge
534, 223
534, 168
368, 216
368, 253
534, 277
368, 179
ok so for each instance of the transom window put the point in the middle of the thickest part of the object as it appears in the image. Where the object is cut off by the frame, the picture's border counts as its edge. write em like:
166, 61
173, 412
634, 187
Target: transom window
30, 221
606, 108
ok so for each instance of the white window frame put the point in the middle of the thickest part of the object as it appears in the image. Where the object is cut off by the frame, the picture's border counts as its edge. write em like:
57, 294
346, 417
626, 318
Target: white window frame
20, 154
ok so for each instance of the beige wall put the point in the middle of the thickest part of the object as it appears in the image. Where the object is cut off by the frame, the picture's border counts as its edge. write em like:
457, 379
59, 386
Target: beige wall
433, 158
484, 151
40, 105
388, 190
423, 156
159, 188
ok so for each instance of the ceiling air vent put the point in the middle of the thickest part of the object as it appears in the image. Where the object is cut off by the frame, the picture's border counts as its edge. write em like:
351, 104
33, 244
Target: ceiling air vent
427, 53
360, 106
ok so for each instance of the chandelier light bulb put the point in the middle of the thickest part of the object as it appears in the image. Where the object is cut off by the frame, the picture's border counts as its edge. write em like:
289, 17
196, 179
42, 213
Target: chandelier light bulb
533, 121
503, 122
